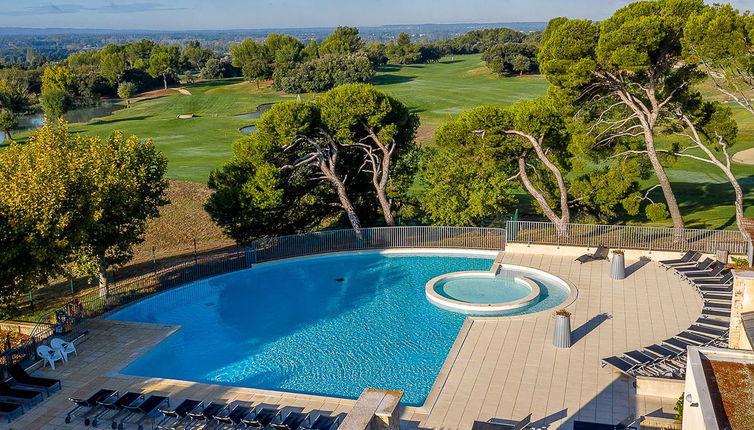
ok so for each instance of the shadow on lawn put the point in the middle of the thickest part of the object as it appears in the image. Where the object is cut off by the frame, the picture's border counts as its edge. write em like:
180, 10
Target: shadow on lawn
694, 197
390, 79
215, 83
113, 121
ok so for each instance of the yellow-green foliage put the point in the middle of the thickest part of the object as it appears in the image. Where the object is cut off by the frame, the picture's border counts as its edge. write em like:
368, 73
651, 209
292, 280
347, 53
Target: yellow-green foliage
41, 206
57, 78
64, 196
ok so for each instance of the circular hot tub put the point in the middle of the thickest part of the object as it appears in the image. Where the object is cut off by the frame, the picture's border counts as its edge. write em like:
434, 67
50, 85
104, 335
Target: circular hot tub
508, 290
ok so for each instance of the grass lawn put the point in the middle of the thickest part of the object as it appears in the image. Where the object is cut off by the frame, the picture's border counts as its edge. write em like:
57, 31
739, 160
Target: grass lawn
704, 194
196, 146
193, 146
438, 91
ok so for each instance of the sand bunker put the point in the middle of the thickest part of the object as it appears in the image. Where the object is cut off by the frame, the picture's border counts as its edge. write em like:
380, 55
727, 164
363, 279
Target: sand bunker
744, 157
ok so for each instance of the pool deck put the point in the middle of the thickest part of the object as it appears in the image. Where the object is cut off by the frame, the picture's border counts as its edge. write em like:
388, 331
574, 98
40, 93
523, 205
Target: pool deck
502, 368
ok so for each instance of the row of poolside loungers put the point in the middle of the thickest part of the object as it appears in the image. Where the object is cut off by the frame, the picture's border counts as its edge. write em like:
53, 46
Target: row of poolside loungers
134, 408
714, 282
21, 392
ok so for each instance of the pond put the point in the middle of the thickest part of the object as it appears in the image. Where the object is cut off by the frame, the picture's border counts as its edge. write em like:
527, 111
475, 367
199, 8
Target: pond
248, 129
84, 114
254, 115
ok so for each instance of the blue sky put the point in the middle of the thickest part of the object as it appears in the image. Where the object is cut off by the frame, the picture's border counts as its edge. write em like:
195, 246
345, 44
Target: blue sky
240, 14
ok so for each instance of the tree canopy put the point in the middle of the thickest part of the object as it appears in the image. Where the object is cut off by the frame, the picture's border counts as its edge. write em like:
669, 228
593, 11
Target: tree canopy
630, 66
344, 40
126, 183
42, 207
66, 199
323, 73
507, 59
314, 161
164, 62
403, 51
532, 144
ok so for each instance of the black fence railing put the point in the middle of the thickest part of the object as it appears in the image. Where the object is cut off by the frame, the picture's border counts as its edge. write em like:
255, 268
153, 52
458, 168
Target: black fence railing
197, 267
629, 237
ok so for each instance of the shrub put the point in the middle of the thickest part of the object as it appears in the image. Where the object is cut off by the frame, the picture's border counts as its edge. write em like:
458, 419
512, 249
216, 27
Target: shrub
678, 408
657, 212
740, 263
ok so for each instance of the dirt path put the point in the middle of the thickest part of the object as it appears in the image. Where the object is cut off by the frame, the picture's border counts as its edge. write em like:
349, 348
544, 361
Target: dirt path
183, 91
744, 157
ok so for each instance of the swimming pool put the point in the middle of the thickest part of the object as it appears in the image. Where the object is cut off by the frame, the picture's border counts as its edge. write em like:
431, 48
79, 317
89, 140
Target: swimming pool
329, 325
477, 289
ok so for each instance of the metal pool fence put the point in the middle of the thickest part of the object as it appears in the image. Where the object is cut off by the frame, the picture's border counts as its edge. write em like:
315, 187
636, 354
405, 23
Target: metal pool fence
95, 303
629, 237
204, 266
269, 249
377, 238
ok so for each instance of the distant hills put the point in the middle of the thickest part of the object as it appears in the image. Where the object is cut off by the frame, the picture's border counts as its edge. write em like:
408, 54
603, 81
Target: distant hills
26, 45
366, 31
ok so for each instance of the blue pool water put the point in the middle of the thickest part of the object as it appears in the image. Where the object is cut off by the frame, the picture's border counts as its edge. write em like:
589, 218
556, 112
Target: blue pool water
470, 289
330, 325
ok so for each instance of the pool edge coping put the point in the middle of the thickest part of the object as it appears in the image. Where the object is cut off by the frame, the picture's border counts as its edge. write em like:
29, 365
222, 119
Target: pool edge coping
455, 305
447, 366
455, 350
444, 372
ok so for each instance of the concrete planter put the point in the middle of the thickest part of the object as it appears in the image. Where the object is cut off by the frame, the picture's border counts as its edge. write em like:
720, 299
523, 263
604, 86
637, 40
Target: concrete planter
618, 267
562, 336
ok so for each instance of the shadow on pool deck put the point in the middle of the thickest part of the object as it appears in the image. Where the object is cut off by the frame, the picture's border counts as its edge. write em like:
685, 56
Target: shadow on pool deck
634, 267
589, 326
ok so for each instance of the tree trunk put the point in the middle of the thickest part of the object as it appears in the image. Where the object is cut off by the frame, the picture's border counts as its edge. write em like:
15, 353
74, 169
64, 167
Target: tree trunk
725, 168
104, 283
165, 80
737, 190
381, 175
345, 202
560, 224
386, 208
667, 190
8, 137
257, 80
739, 201
565, 211
327, 161
647, 117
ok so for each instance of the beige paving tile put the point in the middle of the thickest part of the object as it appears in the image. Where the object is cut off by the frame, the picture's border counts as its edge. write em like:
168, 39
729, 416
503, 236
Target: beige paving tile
505, 368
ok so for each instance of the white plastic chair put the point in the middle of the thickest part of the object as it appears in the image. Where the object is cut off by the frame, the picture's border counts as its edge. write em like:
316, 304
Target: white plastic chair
63, 347
49, 355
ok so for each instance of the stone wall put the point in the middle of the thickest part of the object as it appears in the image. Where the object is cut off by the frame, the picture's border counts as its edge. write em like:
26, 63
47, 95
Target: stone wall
743, 301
